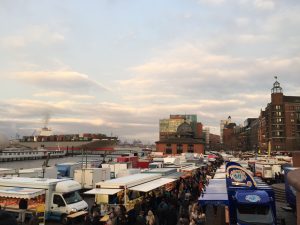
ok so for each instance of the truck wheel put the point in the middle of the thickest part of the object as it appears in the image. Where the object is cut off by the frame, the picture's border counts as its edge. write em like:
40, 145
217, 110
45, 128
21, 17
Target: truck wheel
64, 220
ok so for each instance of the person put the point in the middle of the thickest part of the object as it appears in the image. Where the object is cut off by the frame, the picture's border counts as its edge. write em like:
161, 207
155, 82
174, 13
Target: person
87, 219
34, 220
96, 218
150, 218
121, 216
162, 212
112, 218
23, 205
7, 219
94, 207
140, 219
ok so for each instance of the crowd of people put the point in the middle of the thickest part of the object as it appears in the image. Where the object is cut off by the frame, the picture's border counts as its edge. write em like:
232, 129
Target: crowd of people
178, 206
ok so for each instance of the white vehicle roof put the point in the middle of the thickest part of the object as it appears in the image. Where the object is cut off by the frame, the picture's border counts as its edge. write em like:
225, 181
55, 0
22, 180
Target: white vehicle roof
68, 164
128, 181
28, 182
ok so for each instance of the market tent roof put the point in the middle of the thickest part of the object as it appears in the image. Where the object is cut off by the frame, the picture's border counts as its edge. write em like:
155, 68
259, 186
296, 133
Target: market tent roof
103, 191
129, 181
191, 168
151, 185
217, 186
176, 175
18, 192
214, 199
220, 176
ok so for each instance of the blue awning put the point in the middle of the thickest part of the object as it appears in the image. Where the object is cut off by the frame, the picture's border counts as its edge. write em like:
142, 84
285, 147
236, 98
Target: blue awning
213, 199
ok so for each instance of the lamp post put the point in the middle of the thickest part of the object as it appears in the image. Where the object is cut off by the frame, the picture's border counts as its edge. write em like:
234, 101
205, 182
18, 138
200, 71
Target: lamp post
44, 168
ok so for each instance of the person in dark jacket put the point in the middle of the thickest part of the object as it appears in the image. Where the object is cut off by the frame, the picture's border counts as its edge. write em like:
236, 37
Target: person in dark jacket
34, 220
23, 205
96, 218
7, 219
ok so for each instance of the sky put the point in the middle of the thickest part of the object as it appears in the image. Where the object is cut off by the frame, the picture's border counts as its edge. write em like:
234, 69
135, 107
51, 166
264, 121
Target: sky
118, 66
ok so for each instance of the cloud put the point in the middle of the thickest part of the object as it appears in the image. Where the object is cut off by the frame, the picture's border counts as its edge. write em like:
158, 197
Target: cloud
32, 35
212, 2
58, 80
63, 95
264, 4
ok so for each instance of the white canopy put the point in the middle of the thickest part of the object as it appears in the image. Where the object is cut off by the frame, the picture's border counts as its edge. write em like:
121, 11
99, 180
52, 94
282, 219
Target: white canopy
220, 176
18, 192
151, 185
102, 191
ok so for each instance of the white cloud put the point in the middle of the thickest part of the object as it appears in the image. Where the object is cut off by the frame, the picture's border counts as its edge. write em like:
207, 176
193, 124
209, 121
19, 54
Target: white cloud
58, 79
32, 34
213, 2
264, 4
63, 95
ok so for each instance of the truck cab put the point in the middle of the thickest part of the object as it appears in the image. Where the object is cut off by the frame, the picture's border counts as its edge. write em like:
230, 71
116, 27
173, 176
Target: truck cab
65, 200
254, 207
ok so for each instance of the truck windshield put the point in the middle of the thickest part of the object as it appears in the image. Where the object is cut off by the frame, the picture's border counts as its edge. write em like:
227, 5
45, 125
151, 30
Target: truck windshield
255, 214
72, 197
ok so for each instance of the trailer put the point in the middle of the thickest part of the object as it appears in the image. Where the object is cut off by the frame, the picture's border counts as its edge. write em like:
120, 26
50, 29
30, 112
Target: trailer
115, 168
60, 197
67, 169
88, 177
251, 201
264, 171
247, 200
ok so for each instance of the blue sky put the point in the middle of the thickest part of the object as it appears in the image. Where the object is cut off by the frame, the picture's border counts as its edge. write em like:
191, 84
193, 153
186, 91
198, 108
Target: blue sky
118, 67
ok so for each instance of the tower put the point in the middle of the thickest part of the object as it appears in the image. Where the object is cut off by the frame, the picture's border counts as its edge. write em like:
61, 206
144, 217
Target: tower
276, 93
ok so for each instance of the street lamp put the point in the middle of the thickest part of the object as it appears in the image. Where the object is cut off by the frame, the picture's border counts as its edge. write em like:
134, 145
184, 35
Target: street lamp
44, 168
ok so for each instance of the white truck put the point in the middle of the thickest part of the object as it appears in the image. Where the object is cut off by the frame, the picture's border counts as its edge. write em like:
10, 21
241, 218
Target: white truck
116, 167
88, 177
264, 171
67, 169
61, 196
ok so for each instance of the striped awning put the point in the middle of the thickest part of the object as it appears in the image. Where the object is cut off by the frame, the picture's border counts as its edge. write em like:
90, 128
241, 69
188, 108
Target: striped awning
19, 192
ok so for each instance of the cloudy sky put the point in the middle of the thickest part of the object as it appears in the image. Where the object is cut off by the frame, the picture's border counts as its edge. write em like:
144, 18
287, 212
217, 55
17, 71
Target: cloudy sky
118, 66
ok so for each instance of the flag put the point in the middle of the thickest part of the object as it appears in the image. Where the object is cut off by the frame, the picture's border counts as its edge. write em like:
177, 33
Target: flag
259, 151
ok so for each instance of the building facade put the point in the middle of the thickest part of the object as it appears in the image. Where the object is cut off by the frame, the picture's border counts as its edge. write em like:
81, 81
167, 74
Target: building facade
179, 134
279, 123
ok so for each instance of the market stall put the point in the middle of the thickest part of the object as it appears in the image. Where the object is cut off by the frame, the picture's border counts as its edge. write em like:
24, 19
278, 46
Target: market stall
34, 199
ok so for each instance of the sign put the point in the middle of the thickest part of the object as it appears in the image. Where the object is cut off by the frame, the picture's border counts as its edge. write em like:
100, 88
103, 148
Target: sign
238, 175
253, 198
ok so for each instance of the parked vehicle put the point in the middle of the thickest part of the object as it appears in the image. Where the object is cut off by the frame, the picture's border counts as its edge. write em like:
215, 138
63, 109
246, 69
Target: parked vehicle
61, 196
88, 177
67, 169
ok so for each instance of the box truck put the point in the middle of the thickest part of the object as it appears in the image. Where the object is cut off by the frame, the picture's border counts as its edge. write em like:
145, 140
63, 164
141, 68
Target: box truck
61, 196
88, 177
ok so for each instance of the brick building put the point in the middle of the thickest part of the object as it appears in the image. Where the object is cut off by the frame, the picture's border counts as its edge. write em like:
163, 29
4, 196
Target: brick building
179, 134
279, 123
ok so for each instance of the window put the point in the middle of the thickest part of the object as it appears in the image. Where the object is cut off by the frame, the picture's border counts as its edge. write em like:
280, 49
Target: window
57, 199
179, 148
298, 117
190, 148
168, 149
72, 197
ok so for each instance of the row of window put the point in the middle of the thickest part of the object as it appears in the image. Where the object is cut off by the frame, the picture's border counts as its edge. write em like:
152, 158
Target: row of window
179, 148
